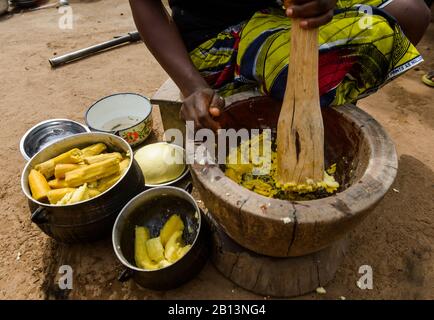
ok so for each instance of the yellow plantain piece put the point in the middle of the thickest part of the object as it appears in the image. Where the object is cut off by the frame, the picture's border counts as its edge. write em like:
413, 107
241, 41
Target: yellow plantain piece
151, 254
102, 157
155, 249
62, 168
47, 168
183, 250
163, 264
172, 247
54, 196
38, 185
140, 252
57, 184
175, 249
92, 172
173, 224
94, 150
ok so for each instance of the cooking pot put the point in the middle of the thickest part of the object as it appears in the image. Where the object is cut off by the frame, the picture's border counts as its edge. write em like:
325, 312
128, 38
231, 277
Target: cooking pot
152, 208
91, 219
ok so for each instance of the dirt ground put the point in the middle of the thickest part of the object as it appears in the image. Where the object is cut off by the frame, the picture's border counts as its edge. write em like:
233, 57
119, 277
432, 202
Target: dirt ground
397, 239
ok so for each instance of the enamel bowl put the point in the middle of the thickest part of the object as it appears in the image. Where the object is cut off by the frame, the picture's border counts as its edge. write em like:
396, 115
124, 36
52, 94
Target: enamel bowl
128, 115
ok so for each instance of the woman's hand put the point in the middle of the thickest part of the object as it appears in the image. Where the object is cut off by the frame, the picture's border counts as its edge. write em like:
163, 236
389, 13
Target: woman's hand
201, 106
313, 13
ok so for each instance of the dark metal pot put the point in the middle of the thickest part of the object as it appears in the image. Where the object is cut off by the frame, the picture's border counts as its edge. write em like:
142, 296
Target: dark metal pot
88, 220
152, 208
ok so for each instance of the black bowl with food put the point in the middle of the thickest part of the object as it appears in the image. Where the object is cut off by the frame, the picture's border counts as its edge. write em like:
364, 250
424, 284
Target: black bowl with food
161, 238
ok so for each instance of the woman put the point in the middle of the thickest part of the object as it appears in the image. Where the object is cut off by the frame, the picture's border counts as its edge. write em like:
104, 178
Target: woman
214, 48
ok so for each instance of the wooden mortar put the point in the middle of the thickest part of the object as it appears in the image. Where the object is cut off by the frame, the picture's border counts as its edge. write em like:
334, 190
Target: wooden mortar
366, 167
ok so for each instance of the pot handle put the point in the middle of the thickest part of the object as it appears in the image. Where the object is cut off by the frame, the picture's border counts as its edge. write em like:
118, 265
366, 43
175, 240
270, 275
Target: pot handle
125, 275
39, 216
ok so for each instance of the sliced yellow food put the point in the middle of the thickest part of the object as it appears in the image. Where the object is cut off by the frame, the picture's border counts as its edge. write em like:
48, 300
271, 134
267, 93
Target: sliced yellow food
57, 184
173, 224
54, 196
94, 149
163, 264
155, 249
47, 167
92, 172
140, 251
173, 246
103, 157
183, 250
38, 185
62, 168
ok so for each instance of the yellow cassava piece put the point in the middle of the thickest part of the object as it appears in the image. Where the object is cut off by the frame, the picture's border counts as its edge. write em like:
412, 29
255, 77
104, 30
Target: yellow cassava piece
102, 157
155, 249
79, 195
38, 185
94, 150
183, 250
172, 247
140, 252
92, 172
54, 196
47, 167
172, 225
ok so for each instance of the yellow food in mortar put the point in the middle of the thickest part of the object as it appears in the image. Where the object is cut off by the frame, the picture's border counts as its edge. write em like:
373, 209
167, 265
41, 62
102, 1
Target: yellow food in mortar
266, 184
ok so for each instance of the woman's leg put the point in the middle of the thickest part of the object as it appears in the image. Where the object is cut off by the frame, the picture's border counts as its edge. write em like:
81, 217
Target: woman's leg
413, 16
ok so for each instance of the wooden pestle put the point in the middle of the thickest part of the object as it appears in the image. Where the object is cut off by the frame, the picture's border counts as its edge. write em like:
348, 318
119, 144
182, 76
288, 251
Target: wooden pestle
300, 131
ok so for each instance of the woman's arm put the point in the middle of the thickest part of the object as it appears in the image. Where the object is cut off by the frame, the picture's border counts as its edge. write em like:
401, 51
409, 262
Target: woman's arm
162, 38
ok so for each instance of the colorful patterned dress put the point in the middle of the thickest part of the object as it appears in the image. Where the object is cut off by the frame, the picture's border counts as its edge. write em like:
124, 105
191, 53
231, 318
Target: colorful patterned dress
360, 50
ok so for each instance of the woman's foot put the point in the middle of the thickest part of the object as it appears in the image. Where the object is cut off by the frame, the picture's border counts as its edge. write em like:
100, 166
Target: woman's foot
428, 79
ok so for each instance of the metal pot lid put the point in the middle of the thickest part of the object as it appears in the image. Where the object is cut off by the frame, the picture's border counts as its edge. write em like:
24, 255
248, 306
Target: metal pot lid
46, 133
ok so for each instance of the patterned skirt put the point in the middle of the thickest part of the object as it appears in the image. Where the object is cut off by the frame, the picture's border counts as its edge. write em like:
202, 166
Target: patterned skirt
360, 50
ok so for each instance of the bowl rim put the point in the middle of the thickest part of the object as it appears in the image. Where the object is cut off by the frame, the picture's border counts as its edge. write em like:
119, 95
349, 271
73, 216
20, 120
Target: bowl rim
118, 251
112, 95
49, 205
29, 131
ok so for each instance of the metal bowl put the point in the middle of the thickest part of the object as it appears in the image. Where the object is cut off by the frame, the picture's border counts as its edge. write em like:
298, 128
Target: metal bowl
152, 208
46, 133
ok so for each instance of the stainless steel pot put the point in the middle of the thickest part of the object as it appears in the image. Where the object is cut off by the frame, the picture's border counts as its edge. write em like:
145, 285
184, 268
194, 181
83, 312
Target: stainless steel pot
152, 208
91, 219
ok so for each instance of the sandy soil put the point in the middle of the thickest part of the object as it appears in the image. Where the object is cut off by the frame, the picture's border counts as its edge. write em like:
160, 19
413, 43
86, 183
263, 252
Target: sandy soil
397, 239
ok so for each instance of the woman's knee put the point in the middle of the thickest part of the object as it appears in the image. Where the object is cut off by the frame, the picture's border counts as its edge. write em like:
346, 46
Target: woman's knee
413, 16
